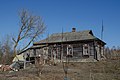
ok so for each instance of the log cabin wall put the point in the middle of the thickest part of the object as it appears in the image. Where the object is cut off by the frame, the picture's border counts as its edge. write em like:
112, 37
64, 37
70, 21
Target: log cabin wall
77, 50
99, 50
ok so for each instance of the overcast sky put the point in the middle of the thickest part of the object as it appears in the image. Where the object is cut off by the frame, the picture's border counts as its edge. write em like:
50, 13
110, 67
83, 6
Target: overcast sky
58, 14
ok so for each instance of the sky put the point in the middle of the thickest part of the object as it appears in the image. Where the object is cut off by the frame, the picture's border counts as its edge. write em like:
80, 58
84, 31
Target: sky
66, 14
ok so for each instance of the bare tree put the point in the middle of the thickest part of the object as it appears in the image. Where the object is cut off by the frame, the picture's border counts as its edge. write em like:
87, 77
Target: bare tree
6, 50
31, 27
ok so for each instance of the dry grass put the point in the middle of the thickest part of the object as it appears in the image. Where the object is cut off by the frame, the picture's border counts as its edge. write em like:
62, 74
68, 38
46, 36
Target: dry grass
104, 70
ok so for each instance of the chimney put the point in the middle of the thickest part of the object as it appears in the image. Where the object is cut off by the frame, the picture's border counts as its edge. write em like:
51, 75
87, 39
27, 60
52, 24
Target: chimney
73, 29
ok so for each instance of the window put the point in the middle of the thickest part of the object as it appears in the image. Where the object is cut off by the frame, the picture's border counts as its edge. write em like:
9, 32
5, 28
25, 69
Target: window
69, 50
85, 50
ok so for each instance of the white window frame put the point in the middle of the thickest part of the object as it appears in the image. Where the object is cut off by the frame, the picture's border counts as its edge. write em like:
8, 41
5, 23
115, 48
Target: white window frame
69, 50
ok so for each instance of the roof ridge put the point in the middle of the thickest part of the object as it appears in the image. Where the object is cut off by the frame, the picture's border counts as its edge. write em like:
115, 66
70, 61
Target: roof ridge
70, 32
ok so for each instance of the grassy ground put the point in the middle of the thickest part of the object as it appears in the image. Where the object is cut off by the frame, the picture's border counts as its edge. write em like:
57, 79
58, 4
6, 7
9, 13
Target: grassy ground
104, 70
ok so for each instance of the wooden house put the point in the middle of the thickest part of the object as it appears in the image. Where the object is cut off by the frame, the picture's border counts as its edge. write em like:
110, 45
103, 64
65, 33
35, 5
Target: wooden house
78, 45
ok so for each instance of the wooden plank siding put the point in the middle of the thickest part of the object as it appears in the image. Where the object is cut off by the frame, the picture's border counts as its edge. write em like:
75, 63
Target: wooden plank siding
78, 50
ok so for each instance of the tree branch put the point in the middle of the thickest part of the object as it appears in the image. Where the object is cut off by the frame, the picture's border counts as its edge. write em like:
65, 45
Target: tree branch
31, 27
